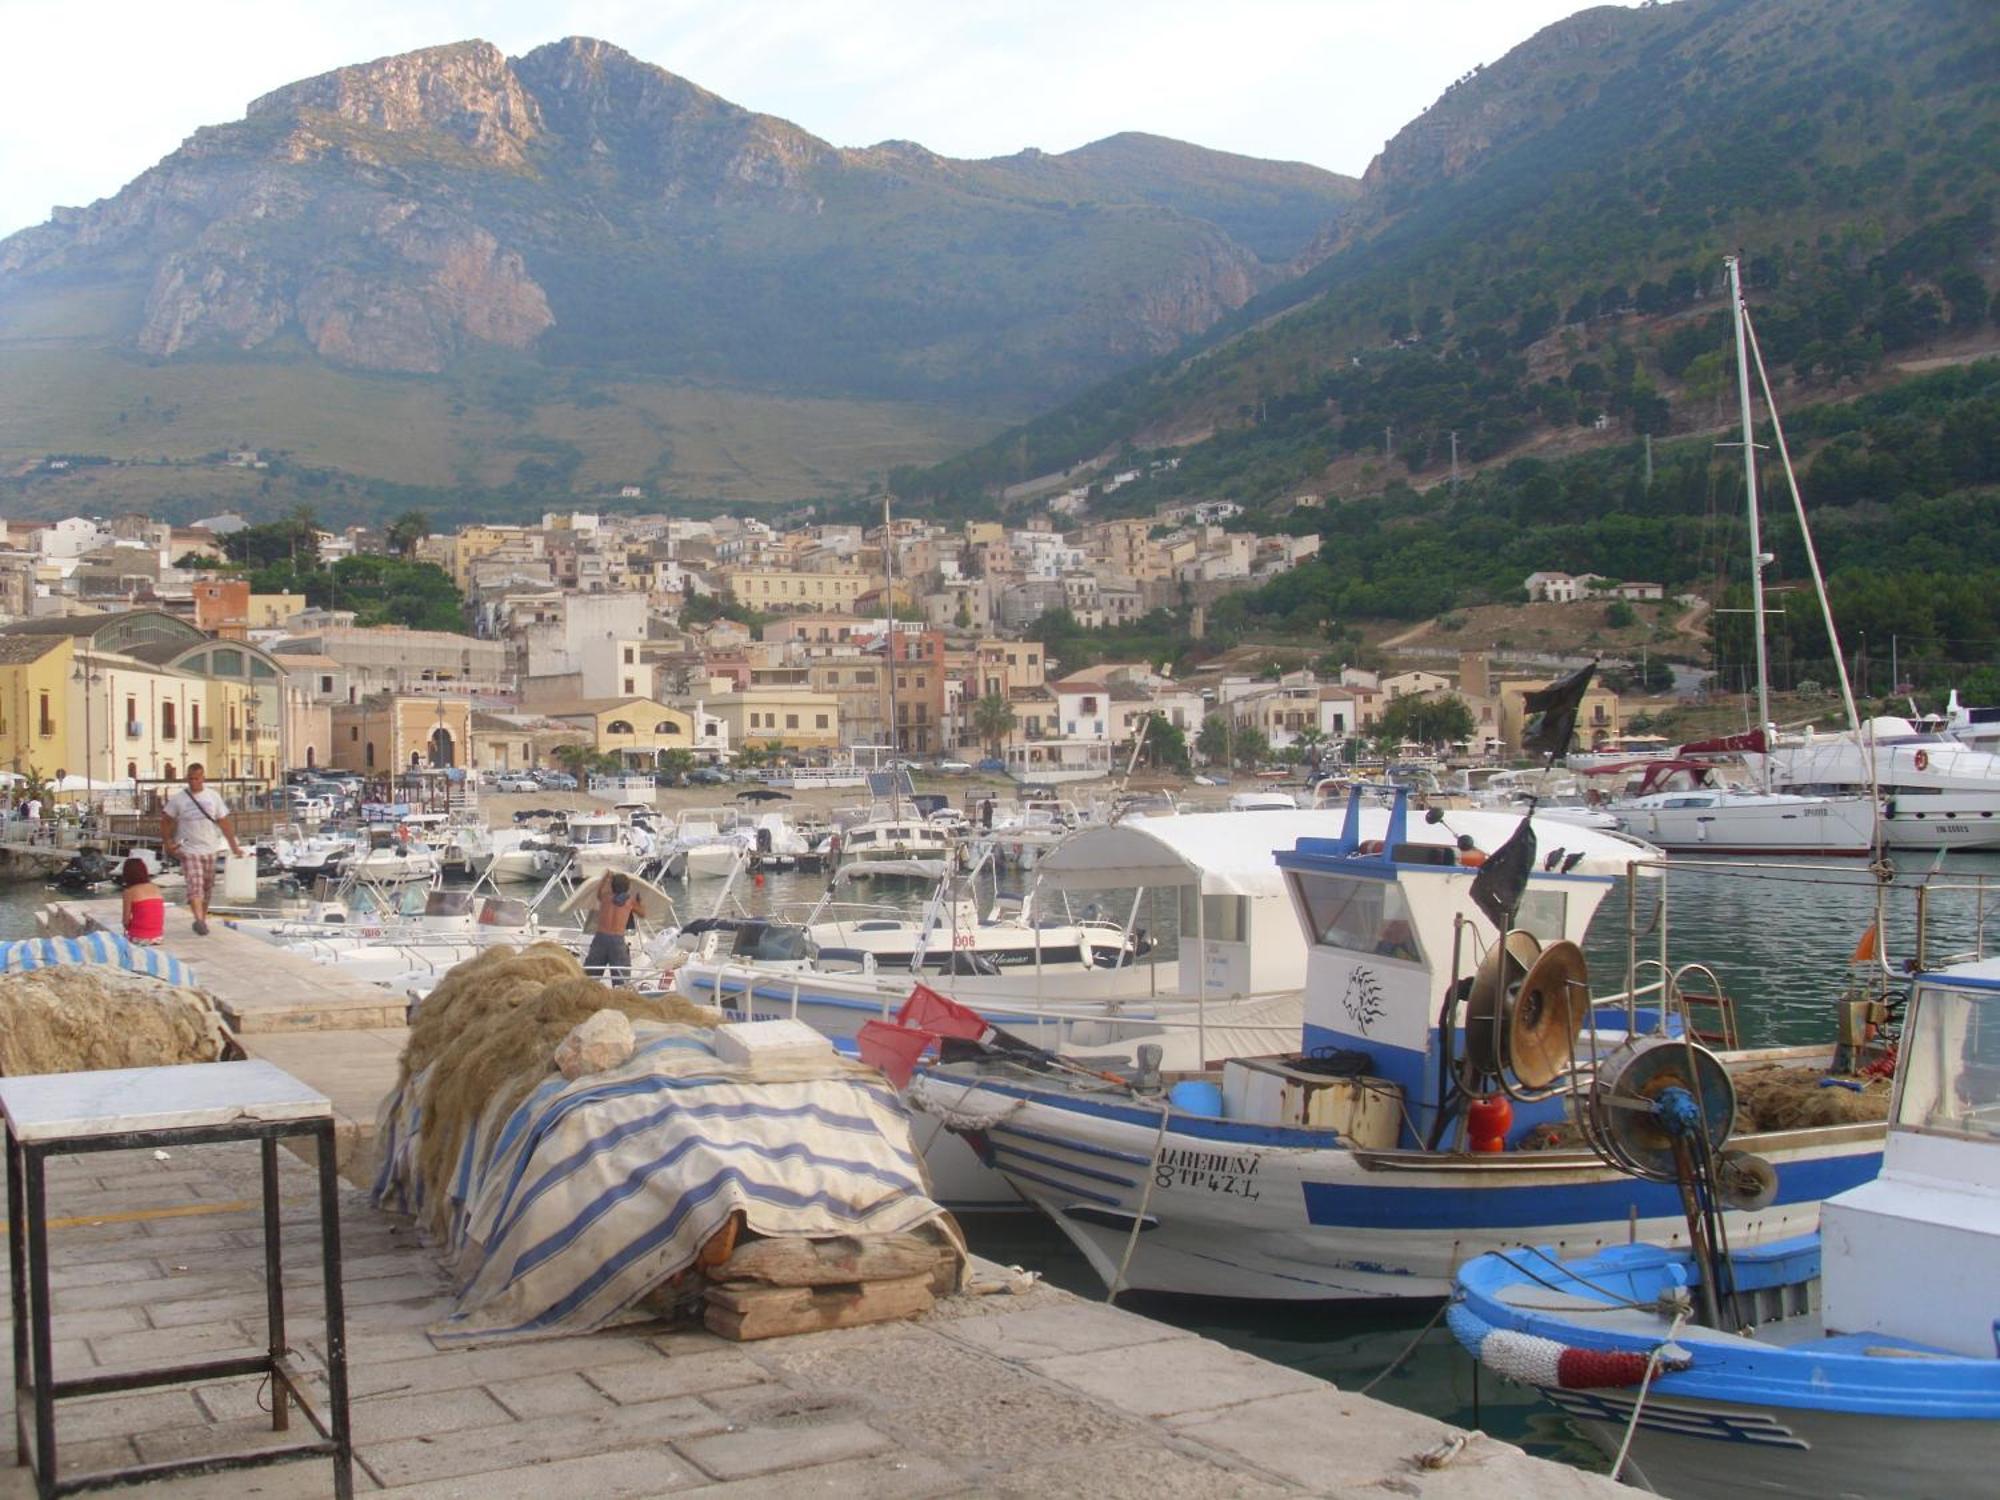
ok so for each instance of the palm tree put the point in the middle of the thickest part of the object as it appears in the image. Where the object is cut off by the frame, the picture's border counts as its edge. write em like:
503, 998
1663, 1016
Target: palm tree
411, 527
993, 719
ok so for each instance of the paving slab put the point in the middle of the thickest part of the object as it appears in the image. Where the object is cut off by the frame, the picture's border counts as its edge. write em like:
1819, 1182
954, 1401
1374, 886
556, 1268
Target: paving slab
523, 1444
1194, 1375
1044, 1332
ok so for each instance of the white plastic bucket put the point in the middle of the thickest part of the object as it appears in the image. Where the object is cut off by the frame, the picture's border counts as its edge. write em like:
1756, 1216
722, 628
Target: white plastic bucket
239, 878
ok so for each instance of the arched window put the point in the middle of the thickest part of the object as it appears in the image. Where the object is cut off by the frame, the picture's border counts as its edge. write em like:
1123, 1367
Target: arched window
618, 726
666, 726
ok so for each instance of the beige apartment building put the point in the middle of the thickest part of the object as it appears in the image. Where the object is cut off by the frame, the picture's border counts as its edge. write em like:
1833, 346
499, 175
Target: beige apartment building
771, 589
797, 716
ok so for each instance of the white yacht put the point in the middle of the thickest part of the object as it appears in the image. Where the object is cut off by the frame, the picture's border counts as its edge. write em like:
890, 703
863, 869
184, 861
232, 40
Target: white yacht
894, 842
706, 842
1937, 792
594, 844
394, 857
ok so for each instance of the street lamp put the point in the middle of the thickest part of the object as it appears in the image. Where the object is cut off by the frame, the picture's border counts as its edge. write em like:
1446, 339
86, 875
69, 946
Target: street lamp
88, 675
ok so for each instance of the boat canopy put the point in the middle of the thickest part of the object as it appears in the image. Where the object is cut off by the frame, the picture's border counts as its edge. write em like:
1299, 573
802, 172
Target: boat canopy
1231, 854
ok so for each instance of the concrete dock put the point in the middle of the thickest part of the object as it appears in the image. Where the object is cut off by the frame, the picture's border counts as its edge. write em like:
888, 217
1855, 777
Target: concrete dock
341, 1035
1036, 1395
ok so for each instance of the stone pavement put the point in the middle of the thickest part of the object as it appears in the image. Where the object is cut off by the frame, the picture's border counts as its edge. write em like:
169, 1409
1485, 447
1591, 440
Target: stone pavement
1041, 1395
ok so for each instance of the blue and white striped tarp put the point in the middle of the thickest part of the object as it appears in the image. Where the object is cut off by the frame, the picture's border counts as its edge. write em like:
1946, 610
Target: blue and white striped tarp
570, 1208
109, 948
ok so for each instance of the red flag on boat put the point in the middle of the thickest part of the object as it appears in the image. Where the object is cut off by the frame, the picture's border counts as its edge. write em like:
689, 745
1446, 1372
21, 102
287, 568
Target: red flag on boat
1865, 950
927, 1010
894, 1049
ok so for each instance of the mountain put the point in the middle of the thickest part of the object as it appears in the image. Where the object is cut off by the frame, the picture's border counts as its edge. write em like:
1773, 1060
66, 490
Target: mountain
575, 249
1538, 256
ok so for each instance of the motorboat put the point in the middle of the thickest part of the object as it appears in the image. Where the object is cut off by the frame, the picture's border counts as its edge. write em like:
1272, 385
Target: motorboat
391, 855
1860, 1360
1422, 1118
516, 853
1937, 791
890, 842
706, 842
593, 844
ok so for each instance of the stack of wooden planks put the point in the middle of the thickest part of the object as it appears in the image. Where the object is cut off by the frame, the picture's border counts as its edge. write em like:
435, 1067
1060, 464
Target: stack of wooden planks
767, 1288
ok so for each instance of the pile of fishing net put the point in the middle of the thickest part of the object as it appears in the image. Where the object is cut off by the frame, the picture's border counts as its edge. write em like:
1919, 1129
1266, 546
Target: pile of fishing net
577, 1152
482, 1041
1776, 1097
76, 1018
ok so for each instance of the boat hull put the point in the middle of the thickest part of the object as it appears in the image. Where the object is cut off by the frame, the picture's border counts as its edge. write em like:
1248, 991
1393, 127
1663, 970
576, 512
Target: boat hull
1246, 1211
1838, 828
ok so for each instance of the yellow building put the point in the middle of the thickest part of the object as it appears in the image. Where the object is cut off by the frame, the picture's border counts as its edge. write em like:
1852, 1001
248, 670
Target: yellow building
796, 716
777, 589
34, 725
1597, 719
475, 542
394, 732
141, 693
639, 731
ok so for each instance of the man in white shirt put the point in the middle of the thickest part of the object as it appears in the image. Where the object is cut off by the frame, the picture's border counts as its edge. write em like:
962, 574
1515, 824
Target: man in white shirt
194, 824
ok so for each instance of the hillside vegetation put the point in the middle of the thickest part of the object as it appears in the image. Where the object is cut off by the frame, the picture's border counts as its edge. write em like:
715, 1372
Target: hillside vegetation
1543, 247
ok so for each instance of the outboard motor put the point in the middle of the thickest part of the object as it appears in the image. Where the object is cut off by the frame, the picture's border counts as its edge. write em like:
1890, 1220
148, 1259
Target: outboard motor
87, 870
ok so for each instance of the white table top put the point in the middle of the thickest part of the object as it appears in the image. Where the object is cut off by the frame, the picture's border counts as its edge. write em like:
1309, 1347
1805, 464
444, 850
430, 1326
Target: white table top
112, 1101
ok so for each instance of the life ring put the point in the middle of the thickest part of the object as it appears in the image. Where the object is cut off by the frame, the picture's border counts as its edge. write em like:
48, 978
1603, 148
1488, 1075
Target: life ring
1923, 760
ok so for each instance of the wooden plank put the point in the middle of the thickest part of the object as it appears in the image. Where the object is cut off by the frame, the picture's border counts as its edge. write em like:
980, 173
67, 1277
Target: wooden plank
750, 1311
795, 1261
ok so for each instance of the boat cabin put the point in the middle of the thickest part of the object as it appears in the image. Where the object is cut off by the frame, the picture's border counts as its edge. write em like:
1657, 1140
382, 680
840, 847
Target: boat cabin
1934, 1212
1395, 937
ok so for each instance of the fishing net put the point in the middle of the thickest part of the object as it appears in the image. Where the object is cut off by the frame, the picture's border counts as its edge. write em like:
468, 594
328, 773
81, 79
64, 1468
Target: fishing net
72, 1019
1779, 1098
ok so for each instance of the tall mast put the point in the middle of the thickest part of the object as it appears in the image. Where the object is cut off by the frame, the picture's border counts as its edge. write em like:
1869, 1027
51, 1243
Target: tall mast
1750, 487
889, 650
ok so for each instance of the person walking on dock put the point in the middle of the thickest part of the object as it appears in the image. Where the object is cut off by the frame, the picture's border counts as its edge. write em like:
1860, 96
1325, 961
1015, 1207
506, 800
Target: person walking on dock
617, 905
194, 823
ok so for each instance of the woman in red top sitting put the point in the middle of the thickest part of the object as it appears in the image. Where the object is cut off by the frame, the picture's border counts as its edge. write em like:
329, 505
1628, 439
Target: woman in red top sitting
145, 908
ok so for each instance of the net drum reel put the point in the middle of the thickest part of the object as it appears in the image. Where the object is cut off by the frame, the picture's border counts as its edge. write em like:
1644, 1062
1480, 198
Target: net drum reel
1523, 1012
1635, 1088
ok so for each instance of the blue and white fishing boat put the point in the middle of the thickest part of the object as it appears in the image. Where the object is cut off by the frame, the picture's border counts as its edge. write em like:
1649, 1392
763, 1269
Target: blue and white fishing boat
1862, 1360
1426, 1118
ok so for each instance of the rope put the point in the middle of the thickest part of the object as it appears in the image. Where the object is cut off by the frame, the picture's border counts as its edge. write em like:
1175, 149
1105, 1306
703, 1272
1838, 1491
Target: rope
1145, 1198
1645, 1385
1408, 1349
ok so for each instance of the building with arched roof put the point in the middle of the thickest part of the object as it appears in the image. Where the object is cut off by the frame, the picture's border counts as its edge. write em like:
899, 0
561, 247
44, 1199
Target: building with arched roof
147, 693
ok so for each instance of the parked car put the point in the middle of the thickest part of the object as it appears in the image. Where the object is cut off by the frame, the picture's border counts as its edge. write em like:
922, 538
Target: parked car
954, 768
993, 766
516, 781
709, 776
558, 781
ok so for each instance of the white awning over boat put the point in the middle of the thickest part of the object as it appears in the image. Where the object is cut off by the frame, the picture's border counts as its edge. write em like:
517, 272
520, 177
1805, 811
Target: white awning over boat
1230, 853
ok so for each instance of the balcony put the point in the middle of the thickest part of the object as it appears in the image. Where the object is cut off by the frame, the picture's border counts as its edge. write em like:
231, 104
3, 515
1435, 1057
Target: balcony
135, 729
198, 736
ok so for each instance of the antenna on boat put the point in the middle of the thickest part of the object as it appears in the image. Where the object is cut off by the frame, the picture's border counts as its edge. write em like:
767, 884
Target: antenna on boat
889, 651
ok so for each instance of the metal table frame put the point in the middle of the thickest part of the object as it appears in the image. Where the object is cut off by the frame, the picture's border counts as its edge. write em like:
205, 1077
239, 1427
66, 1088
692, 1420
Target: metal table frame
36, 1387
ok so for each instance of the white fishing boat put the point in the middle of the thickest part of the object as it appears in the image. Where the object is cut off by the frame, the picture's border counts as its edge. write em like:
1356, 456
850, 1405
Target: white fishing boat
517, 853
1858, 1361
1937, 792
1421, 1120
1762, 820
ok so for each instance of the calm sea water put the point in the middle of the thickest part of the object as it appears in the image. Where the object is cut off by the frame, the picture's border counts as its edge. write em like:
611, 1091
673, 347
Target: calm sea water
1778, 937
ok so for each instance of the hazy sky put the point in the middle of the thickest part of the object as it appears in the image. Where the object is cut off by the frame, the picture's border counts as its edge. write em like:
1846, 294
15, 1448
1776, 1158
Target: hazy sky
91, 94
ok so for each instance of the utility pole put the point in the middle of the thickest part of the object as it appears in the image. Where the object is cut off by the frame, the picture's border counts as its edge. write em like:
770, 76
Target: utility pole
1454, 462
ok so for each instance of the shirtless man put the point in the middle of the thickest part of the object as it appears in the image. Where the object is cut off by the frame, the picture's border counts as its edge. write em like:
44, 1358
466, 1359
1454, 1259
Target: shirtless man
617, 905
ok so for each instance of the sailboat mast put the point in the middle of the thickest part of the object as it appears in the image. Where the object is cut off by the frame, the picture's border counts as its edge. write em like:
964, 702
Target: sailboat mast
1750, 486
889, 651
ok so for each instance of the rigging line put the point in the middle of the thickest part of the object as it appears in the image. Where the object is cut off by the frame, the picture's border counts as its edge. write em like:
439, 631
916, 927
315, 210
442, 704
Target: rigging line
1646, 1385
1408, 1349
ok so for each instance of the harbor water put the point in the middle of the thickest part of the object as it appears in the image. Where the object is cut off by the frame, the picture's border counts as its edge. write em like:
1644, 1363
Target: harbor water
1777, 935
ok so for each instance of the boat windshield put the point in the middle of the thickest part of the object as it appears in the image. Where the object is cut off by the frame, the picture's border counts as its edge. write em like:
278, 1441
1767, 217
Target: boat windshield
1951, 1063
1360, 914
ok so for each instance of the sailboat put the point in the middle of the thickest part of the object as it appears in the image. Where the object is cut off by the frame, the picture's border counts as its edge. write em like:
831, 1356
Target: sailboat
1705, 817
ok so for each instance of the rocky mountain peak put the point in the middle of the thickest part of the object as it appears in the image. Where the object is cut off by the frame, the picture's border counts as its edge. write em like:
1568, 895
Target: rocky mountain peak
465, 92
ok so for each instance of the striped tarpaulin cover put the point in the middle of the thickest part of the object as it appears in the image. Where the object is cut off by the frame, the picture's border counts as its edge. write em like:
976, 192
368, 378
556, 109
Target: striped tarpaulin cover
109, 948
567, 1210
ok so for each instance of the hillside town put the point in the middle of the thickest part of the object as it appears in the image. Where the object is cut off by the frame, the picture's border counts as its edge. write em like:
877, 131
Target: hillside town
656, 643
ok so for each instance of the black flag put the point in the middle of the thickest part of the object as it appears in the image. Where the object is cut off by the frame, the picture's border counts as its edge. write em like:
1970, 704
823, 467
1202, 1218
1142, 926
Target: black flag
1498, 887
1555, 708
